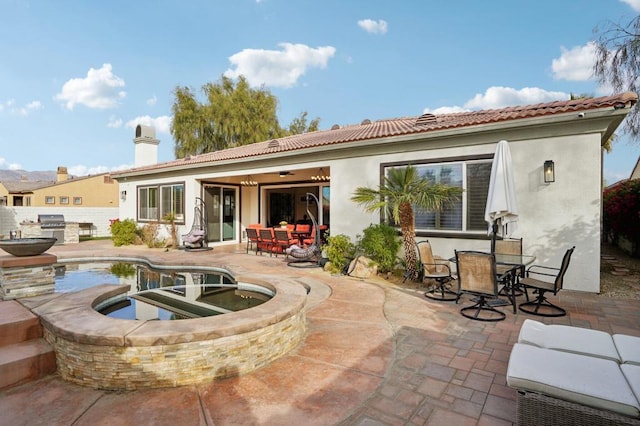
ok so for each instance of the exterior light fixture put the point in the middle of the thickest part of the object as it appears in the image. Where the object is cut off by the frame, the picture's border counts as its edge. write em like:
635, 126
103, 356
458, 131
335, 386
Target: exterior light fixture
249, 182
549, 172
284, 174
123, 195
321, 176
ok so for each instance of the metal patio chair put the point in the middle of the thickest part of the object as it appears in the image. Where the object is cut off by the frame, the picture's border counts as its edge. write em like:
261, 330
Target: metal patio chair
541, 305
477, 276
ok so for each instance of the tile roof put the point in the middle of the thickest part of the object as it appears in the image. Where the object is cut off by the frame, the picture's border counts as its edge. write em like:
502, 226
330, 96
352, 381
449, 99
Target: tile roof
369, 130
22, 186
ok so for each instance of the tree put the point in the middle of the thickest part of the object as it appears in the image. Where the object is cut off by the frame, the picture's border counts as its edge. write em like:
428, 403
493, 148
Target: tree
404, 188
618, 63
234, 114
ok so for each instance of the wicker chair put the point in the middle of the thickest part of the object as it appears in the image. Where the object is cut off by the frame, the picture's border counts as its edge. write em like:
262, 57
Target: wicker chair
438, 270
477, 276
541, 306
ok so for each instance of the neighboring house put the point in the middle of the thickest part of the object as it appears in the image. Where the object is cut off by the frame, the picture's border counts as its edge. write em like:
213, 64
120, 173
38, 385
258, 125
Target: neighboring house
86, 191
266, 182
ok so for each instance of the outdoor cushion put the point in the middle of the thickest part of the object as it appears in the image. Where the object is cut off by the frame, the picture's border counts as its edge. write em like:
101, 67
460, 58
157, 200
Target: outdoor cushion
628, 348
569, 339
632, 374
585, 380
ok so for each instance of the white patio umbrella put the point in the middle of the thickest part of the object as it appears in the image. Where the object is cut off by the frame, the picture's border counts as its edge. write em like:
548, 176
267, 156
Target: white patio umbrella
502, 205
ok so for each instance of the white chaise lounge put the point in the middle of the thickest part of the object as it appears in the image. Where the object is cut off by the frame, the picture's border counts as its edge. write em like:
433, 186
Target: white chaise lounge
570, 375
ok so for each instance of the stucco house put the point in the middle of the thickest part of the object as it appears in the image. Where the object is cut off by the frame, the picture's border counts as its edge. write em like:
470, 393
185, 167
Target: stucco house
266, 182
66, 191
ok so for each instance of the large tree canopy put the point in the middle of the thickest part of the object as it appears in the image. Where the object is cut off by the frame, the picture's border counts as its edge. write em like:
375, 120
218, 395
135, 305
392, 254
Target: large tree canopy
233, 114
618, 63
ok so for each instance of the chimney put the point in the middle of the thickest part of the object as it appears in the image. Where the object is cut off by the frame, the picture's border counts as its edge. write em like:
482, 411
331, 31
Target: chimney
61, 174
146, 146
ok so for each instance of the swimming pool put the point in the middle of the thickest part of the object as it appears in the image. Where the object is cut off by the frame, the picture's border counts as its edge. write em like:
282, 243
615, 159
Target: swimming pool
161, 294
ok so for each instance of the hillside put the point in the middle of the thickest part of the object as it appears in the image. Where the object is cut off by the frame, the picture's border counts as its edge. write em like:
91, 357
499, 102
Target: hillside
13, 175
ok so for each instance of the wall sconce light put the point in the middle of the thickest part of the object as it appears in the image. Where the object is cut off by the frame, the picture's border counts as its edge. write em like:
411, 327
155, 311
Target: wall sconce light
549, 172
321, 176
249, 182
123, 195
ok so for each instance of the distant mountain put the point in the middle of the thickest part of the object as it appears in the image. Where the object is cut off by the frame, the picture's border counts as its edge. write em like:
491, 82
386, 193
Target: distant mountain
13, 175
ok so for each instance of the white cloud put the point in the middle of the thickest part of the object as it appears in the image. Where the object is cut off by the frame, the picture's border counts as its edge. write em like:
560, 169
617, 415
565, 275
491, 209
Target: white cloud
31, 106
10, 106
162, 124
114, 122
80, 170
11, 166
635, 4
500, 97
575, 64
278, 68
152, 101
446, 110
373, 27
101, 89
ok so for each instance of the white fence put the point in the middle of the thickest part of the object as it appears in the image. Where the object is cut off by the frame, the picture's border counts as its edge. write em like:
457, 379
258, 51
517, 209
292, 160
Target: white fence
11, 217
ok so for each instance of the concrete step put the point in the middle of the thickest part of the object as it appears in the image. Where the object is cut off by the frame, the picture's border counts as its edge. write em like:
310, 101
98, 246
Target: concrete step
25, 361
17, 323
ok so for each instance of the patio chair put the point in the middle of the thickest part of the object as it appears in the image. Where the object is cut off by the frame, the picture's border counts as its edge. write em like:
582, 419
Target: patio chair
541, 305
509, 246
267, 241
252, 239
438, 270
282, 241
477, 276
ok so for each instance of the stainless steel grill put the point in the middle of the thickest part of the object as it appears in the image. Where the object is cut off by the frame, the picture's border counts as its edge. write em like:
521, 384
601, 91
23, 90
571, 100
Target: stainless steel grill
52, 225
51, 221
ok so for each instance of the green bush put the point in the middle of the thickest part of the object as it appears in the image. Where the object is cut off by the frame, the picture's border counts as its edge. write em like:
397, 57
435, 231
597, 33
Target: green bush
339, 250
123, 232
380, 243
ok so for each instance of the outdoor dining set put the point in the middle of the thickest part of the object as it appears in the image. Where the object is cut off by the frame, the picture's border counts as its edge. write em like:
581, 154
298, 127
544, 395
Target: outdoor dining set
280, 240
495, 278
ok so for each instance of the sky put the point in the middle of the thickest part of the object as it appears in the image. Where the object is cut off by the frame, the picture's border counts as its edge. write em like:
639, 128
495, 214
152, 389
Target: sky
76, 77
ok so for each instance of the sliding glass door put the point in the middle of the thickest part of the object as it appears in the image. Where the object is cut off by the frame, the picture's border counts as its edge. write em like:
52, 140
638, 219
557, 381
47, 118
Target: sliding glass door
221, 210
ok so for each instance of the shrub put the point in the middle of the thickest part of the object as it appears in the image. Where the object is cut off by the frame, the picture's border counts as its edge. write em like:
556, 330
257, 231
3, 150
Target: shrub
381, 244
622, 210
339, 250
149, 235
123, 232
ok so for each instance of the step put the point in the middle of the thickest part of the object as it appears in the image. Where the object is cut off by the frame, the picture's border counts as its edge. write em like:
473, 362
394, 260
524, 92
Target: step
17, 323
25, 361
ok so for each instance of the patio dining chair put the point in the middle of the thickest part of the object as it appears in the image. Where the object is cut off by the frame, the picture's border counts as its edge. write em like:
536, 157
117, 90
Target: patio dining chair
283, 241
510, 277
477, 276
438, 270
541, 305
252, 239
267, 241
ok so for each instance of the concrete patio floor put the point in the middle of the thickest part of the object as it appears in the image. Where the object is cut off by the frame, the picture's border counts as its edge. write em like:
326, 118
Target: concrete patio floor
374, 354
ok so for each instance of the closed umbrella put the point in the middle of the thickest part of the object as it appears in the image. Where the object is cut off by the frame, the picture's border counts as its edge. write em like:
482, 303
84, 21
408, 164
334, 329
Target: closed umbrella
502, 205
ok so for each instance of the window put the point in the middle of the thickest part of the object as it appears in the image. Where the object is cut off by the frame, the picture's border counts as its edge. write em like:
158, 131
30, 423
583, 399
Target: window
155, 202
49, 199
77, 201
64, 200
466, 215
27, 201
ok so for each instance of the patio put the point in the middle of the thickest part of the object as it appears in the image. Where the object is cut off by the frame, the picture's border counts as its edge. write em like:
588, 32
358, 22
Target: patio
374, 353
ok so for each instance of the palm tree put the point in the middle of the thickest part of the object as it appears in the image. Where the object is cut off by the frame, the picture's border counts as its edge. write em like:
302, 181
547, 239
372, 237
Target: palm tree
404, 188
